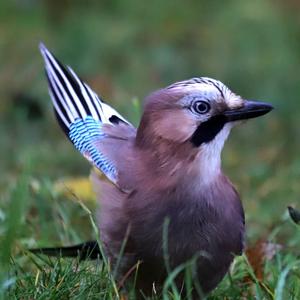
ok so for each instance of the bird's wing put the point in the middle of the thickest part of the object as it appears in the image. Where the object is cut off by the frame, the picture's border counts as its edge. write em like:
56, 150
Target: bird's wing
84, 117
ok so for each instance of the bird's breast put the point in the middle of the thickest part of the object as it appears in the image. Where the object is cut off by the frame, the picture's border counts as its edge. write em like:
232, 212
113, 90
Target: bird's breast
209, 220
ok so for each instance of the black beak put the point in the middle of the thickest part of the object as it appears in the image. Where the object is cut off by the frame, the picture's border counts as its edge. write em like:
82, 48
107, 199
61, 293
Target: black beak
251, 109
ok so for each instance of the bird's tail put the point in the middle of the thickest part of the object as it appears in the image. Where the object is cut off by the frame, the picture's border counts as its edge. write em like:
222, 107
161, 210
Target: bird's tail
84, 251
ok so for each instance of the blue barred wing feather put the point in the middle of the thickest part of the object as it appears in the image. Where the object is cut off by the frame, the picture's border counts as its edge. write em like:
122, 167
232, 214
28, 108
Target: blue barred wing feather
80, 112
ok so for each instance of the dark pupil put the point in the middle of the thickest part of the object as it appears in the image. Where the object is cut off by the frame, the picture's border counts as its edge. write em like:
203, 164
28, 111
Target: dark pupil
202, 107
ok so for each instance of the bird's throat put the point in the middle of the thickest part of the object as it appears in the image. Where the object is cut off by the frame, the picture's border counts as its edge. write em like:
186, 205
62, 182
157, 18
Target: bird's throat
209, 155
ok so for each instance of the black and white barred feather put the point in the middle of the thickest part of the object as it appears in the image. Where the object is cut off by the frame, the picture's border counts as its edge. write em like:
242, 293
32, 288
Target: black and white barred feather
221, 87
80, 112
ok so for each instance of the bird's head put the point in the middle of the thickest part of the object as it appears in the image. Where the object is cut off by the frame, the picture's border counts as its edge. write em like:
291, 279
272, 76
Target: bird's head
196, 110
199, 112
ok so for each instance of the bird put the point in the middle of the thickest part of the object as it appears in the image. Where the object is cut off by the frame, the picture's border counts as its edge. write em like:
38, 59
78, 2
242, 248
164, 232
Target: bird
165, 200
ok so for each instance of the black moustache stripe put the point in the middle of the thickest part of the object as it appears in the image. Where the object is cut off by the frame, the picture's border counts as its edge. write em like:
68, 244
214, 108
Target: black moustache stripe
207, 131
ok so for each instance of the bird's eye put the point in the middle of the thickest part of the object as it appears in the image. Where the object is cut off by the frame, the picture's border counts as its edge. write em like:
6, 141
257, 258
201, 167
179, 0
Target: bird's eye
201, 107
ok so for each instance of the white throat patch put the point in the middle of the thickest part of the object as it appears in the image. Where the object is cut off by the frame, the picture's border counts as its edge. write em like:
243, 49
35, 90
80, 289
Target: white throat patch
209, 157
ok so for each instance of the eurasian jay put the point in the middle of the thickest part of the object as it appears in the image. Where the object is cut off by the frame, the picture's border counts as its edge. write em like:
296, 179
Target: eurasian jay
166, 200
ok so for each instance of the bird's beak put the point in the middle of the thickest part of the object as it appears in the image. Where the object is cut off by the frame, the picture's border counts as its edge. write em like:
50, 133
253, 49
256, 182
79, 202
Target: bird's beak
251, 109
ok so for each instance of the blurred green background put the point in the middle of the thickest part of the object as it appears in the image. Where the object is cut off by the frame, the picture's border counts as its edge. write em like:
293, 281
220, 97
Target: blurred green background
126, 49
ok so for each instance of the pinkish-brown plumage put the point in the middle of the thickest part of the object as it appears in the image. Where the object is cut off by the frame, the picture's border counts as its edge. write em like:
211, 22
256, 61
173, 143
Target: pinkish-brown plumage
167, 199
159, 180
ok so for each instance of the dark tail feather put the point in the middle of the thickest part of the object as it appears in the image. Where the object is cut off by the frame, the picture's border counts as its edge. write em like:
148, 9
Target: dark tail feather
84, 251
